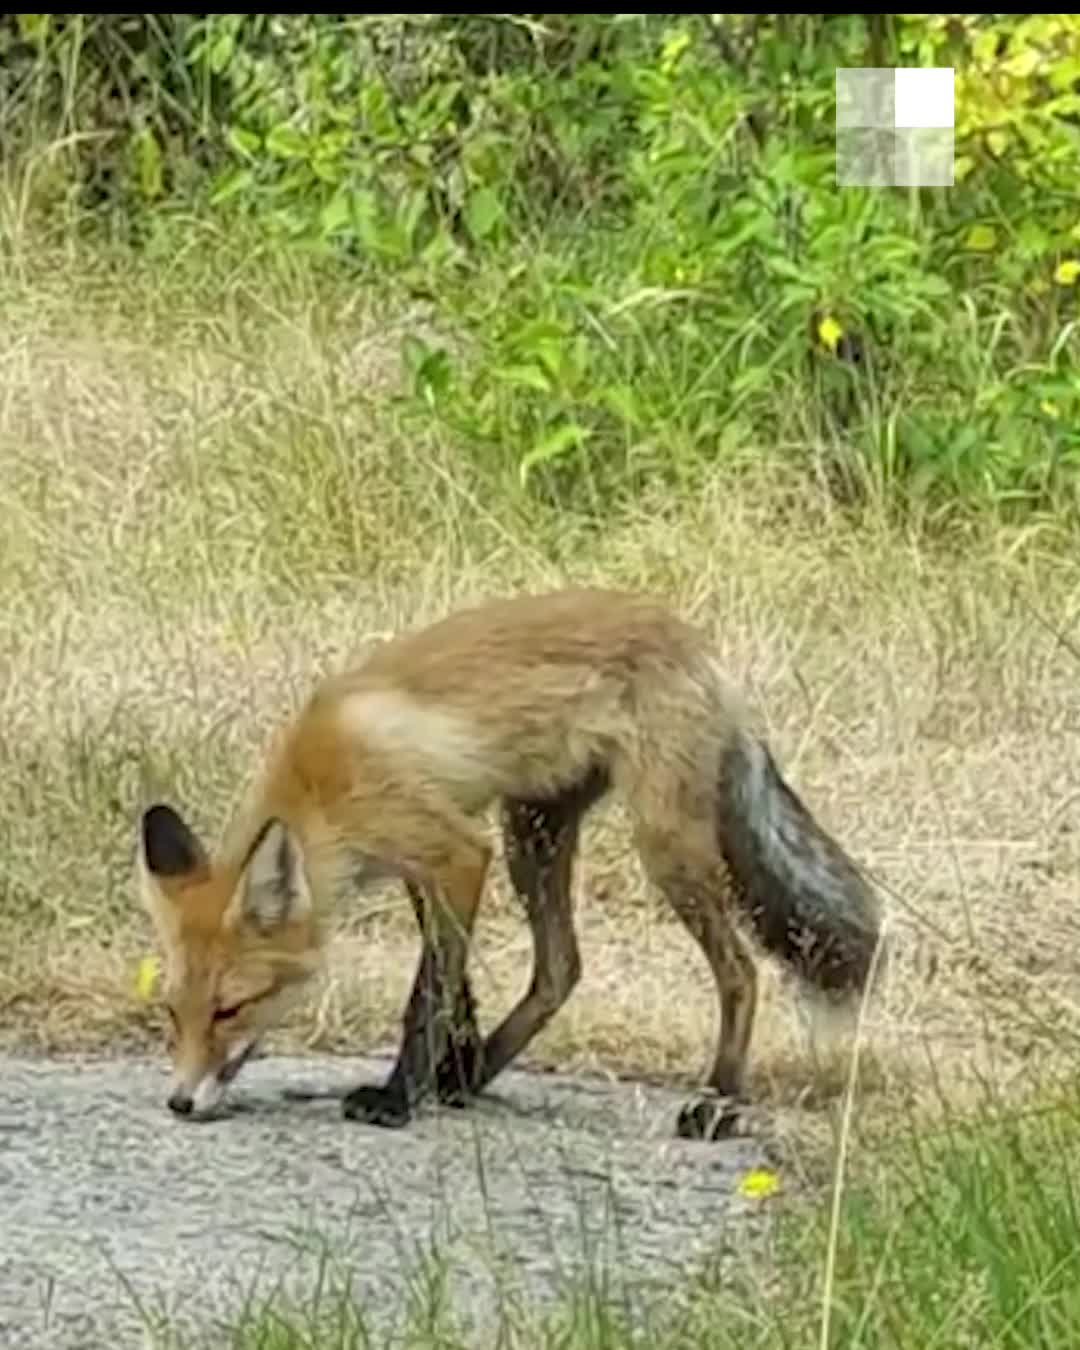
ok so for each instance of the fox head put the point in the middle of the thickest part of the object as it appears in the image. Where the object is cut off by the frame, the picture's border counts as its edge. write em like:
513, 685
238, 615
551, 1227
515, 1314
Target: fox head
239, 941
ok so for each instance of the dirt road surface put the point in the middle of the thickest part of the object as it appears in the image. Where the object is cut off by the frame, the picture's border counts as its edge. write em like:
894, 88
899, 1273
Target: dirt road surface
107, 1203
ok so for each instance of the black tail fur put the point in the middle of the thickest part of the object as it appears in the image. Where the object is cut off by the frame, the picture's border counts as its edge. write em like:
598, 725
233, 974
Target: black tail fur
808, 903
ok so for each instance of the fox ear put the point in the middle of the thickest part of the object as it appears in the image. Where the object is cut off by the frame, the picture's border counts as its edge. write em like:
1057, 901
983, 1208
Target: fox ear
274, 888
169, 848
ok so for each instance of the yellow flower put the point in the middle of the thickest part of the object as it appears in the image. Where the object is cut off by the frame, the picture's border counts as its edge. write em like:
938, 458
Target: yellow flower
1067, 272
758, 1183
830, 332
146, 973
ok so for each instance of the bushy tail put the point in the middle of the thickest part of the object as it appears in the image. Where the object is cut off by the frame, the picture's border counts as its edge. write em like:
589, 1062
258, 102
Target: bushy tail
808, 903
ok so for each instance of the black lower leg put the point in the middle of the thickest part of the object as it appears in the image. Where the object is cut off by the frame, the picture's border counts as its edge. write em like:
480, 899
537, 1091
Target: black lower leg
458, 1068
424, 1052
440, 1044
458, 1071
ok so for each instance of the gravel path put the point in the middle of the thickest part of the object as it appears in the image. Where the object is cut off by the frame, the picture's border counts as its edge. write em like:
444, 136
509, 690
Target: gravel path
100, 1187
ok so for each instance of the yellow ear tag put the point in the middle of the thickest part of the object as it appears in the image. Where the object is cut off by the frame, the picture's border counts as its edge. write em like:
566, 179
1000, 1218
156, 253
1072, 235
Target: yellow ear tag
146, 973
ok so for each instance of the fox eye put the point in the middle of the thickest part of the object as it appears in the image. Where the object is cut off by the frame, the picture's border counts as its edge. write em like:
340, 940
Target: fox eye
223, 1014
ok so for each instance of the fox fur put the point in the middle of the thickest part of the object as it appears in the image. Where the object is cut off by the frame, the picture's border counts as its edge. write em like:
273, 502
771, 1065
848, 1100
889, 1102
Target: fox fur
543, 704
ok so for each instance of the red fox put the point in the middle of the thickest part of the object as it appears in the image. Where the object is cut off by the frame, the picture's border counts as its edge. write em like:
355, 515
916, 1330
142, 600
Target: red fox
544, 704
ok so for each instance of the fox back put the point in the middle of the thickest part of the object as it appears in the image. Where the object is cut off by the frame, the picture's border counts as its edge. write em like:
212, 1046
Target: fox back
524, 697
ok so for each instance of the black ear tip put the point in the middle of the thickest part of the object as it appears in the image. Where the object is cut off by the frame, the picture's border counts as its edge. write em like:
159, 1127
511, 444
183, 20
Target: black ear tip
159, 813
170, 847
156, 821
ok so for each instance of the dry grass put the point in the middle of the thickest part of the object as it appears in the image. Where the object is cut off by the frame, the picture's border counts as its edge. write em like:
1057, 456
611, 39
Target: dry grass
208, 499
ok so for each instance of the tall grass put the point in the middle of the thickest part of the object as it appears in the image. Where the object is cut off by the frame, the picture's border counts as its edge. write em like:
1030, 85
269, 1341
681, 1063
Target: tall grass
215, 488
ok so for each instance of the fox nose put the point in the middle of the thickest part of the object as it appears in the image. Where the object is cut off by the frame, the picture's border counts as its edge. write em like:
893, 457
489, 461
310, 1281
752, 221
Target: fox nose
181, 1103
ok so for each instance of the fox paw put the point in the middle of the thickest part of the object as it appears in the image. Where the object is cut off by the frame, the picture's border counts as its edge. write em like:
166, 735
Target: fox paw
376, 1106
711, 1118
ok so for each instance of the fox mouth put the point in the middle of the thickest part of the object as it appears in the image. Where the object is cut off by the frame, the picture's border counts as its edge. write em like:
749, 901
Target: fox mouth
232, 1067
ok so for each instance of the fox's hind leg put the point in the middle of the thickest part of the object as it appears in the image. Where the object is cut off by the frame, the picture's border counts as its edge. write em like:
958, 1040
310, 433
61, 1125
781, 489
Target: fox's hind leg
541, 837
694, 879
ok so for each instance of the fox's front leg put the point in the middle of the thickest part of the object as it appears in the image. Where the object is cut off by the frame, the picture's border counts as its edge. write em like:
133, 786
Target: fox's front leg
457, 1071
440, 1004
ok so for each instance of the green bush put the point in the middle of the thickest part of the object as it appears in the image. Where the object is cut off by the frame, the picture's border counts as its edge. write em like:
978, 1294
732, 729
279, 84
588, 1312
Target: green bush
627, 227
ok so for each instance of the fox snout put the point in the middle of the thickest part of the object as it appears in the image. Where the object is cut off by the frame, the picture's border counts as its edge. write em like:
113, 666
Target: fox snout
196, 1102
181, 1102
198, 1096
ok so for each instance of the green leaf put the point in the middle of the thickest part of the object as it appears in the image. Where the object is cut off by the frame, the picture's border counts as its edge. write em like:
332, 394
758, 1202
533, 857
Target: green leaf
414, 352
33, 28
336, 213
434, 377
483, 212
552, 352
365, 214
980, 238
532, 377
623, 402
411, 213
148, 164
784, 267
1032, 240
430, 368
285, 142
246, 143
221, 51
569, 436
229, 184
